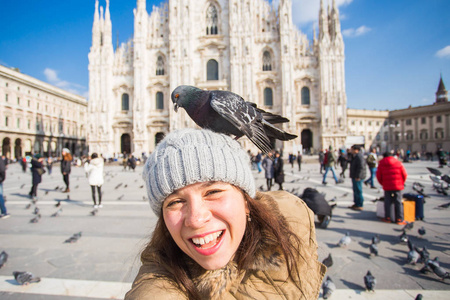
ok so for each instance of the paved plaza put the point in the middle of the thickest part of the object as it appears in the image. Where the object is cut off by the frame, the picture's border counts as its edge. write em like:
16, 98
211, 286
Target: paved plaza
105, 260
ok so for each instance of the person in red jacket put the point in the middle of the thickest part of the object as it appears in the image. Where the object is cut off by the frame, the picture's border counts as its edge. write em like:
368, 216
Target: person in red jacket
391, 174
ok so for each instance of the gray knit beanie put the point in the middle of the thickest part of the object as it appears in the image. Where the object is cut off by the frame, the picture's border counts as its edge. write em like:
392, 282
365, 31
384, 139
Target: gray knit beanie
189, 156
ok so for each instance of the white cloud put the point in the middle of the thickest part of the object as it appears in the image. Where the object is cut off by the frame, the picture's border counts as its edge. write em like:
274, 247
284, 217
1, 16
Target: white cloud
52, 77
307, 11
444, 52
352, 32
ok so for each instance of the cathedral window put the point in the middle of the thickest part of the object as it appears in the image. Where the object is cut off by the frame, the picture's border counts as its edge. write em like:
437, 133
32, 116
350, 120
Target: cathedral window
159, 66
267, 61
125, 102
268, 97
159, 100
306, 100
211, 20
212, 70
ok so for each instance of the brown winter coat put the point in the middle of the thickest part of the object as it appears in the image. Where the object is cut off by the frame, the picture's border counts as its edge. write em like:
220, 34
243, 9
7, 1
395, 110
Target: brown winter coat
267, 279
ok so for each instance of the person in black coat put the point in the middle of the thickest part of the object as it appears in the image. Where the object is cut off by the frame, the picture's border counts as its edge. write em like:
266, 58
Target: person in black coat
66, 167
37, 169
278, 170
357, 174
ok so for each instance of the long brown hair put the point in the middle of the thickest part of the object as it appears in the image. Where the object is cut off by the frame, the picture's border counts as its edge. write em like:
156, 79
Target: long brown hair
264, 224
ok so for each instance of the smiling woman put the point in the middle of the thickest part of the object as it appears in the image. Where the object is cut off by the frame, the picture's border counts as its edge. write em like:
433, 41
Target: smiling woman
216, 237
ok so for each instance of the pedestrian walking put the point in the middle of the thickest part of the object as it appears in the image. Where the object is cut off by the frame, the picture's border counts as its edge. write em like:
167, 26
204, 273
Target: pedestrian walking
321, 160
131, 163
267, 165
49, 165
23, 163
66, 167
343, 161
291, 159
357, 174
3, 211
372, 163
258, 160
278, 170
391, 174
37, 170
215, 237
94, 171
329, 163
299, 160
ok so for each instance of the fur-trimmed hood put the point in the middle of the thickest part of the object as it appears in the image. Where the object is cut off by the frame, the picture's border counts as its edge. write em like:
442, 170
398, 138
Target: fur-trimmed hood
267, 275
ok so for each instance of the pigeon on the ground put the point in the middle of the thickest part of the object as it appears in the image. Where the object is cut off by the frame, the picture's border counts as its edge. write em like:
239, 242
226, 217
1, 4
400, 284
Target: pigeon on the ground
345, 240
46, 192
328, 261
25, 278
21, 187
141, 186
58, 204
370, 281
424, 254
328, 288
118, 186
3, 258
409, 226
376, 239
120, 197
440, 271
28, 206
56, 188
404, 237
422, 231
227, 112
74, 238
443, 206
57, 213
413, 256
35, 219
94, 212
419, 297
373, 249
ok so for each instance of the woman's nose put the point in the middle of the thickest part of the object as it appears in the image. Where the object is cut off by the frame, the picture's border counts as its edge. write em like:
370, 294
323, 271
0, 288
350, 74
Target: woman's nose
197, 215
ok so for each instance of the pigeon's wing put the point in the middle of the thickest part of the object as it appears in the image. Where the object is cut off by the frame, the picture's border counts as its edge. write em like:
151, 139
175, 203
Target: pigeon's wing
244, 117
434, 171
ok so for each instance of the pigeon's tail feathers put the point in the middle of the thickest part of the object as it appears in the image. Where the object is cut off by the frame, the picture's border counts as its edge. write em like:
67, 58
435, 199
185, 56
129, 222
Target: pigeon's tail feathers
261, 141
277, 133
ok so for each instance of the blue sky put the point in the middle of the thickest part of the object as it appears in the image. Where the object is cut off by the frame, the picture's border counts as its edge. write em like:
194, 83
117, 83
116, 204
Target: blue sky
395, 50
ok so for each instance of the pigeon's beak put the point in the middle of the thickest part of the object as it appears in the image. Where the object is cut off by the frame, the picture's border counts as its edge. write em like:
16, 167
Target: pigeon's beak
175, 107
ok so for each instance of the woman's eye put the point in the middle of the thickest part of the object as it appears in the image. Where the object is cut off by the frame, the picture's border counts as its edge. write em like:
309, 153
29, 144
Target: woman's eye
173, 203
212, 192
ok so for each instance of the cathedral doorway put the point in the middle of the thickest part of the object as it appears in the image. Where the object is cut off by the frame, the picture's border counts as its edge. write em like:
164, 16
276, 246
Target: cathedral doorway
158, 137
18, 148
307, 138
125, 143
6, 147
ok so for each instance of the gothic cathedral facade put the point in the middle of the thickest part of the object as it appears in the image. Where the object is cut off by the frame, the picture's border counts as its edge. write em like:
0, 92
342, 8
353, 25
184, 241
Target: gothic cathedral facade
248, 47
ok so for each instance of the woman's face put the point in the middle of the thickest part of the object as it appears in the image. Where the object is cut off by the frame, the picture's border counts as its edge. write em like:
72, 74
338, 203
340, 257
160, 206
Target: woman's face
207, 221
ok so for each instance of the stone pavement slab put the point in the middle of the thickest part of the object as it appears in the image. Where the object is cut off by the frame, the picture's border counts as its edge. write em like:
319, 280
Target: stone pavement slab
108, 251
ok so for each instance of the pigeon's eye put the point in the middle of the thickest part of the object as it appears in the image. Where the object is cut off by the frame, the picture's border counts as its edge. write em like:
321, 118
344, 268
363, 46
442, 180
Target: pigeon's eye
177, 95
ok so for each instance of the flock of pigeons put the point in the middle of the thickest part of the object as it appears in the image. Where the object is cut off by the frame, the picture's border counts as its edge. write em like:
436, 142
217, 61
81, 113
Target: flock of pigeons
414, 256
25, 278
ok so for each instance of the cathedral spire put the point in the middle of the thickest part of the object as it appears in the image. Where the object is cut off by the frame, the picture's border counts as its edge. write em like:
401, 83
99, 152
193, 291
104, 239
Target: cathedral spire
96, 27
141, 5
323, 22
335, 26
107, 29
441, 94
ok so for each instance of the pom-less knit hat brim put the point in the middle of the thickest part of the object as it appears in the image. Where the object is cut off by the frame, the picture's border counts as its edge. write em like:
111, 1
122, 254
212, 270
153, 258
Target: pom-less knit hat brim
188, 156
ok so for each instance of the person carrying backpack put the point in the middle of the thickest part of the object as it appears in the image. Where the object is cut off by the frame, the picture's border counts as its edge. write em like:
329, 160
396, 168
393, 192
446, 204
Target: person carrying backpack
372, 163
329, 162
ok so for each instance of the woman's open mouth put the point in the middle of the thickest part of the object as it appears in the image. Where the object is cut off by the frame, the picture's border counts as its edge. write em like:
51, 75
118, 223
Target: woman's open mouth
207, 241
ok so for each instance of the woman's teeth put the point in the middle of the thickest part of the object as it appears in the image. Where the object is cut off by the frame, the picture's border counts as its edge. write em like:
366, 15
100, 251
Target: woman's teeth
206, 239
